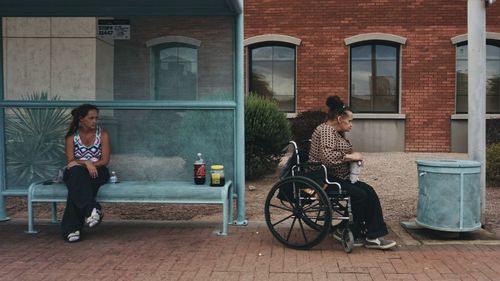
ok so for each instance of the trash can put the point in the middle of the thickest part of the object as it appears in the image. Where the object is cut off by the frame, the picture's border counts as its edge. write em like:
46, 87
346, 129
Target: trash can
449, 195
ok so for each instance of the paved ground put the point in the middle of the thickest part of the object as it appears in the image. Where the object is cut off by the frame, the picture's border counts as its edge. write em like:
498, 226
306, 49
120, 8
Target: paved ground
128, 250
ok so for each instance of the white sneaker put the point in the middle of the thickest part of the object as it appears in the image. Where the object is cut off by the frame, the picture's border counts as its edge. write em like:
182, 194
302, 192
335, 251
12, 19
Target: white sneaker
95, 218
73, 236
379, 243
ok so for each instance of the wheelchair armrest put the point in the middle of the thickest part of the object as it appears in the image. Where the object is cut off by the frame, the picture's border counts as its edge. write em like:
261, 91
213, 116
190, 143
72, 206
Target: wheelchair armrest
321, 168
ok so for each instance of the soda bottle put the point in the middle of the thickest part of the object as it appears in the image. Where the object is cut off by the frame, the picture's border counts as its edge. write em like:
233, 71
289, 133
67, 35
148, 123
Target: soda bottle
199, 170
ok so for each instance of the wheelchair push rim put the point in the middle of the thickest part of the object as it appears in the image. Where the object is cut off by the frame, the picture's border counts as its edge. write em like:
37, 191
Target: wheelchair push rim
298, 212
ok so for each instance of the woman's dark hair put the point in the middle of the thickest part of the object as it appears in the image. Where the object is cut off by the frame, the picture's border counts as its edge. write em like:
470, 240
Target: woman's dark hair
336, 107
78, 113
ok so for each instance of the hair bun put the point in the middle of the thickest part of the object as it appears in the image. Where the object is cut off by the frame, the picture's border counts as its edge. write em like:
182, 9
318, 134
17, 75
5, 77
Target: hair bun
334, 102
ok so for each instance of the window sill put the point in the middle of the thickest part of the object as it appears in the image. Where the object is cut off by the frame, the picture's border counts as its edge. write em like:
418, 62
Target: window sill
395, 116
380, 116
464, 116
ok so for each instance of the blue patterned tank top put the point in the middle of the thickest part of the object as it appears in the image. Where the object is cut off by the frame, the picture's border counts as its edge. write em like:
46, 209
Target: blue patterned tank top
92, 153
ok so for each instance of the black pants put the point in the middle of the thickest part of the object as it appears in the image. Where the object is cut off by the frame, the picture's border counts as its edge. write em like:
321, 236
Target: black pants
366, 209
82, 191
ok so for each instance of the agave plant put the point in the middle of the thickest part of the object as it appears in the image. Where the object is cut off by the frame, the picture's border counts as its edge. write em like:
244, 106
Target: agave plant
34, 141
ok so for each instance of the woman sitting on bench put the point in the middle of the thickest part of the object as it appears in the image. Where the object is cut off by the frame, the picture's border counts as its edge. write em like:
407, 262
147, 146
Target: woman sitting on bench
87, 153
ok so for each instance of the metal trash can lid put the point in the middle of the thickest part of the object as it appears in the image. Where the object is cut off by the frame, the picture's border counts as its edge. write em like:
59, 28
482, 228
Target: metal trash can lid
449, 163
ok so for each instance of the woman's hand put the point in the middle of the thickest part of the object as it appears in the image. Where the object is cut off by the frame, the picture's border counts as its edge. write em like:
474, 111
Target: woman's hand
91, 168
355, 156
72, 164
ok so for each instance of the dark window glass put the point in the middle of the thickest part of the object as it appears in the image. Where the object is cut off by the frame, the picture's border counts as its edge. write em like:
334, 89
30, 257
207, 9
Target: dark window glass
272, 74
374, 78
492, 77
176, 72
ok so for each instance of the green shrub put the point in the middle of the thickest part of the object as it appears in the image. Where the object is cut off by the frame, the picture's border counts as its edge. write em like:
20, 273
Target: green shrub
35, 141
267, 131
493, 164
304, 124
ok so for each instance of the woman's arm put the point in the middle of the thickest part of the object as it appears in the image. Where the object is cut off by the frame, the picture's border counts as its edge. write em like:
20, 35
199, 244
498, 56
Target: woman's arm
330, 154
105, 149
70, 151
355, 156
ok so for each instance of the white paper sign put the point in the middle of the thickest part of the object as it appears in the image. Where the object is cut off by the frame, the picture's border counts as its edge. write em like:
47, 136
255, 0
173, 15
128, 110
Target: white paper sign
116, 29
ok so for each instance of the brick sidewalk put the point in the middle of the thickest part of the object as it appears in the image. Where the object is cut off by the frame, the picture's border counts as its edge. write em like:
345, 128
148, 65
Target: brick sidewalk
190, 251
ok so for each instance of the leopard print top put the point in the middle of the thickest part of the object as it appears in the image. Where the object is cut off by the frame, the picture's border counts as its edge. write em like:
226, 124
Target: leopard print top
329, 148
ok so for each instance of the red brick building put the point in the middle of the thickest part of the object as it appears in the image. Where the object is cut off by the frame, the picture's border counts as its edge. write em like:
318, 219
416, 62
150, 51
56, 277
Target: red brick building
302, 51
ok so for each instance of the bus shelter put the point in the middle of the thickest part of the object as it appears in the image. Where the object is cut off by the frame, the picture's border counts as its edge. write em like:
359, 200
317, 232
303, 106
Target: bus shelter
166, 75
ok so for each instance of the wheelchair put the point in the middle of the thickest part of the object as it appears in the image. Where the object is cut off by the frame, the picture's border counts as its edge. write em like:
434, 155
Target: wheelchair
303, 207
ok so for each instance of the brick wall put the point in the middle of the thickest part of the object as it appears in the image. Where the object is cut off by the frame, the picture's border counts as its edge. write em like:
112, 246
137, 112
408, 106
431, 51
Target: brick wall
427, 61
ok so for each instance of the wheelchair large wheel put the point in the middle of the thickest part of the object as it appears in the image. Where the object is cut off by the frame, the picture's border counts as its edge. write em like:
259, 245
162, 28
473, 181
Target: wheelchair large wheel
298, 212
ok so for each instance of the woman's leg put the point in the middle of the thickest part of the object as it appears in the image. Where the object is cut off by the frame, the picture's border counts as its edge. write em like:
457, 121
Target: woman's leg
359, 199
72, 219
103, 177
78, 184
82, 191
374, 218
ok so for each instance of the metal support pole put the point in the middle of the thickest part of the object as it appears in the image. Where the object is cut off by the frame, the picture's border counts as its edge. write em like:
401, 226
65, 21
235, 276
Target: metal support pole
3, 212
240, 119
476, 30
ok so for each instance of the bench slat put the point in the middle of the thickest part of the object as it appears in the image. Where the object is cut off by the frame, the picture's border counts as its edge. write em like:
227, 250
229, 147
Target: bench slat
138, 191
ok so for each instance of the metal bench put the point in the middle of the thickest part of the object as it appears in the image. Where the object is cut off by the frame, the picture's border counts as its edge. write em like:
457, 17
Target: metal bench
164, 192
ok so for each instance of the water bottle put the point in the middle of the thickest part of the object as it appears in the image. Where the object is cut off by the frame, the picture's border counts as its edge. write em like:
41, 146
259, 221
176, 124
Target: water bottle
113, 178
199, 170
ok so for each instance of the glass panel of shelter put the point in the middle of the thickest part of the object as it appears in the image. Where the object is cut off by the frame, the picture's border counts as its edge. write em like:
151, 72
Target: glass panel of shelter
151, 145
92, 68
162, 142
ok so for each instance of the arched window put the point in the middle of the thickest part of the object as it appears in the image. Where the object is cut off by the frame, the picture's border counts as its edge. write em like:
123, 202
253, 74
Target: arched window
374, 72
175, 67
272, 73
492, 76
374, 77
271, 63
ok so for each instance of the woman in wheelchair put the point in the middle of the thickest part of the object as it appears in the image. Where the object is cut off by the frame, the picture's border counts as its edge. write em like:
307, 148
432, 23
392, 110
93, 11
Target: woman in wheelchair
330, 147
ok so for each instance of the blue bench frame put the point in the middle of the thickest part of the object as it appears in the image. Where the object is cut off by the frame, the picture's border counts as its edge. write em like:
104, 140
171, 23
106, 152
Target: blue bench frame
162, 192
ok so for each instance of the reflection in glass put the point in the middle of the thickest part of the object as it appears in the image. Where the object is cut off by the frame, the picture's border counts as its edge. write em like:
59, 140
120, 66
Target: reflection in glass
272, 74
492, 78
163, 144
176, 72
34, 142
374, 78
79, 68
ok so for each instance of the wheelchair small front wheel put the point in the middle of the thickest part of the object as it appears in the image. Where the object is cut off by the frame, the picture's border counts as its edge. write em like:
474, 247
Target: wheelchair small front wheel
347, 240
298, 212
